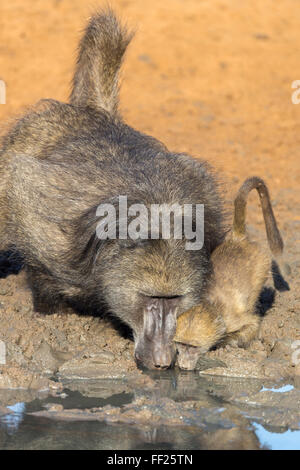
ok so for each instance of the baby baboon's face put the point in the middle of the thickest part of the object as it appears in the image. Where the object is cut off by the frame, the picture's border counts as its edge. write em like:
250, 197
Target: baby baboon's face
187, 356
148, 284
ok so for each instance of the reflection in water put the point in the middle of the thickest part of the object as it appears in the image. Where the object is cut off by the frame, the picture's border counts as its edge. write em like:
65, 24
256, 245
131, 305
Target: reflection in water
238, 437
11, 422
41, 433
214, 421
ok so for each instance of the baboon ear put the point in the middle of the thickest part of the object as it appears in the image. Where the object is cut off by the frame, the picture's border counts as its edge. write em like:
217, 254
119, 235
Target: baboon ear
84, 232
88, 233
97, 227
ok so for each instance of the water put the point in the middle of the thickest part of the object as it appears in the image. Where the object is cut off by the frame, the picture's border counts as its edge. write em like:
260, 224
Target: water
283, 389
286, 440
227, 413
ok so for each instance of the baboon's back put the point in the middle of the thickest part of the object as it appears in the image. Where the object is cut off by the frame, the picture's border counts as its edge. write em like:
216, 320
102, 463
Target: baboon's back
61, 160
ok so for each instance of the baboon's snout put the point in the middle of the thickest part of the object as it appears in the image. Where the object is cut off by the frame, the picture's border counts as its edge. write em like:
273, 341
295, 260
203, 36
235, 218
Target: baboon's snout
154, 346
188, 356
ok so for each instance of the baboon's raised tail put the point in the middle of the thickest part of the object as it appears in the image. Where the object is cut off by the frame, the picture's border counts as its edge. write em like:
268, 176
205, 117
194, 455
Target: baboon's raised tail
240, 202
101, 50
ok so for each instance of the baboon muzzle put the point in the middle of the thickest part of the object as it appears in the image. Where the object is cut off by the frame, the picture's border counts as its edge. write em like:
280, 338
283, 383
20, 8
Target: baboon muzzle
155, 347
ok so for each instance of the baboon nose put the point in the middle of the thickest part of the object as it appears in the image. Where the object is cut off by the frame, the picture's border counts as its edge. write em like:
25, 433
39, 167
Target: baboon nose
162, 360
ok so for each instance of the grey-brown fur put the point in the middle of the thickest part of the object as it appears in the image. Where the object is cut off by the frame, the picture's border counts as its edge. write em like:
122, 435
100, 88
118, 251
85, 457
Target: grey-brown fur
101, 50
60, 161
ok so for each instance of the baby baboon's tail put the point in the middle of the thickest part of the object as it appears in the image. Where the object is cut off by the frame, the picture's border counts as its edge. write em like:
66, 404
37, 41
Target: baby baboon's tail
239, 229
101, 50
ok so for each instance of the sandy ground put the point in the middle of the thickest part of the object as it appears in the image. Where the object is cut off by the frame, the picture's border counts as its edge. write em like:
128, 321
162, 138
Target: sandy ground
212, 78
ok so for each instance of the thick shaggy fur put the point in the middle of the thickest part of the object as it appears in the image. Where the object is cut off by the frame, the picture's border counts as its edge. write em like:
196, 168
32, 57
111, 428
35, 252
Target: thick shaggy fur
101, 51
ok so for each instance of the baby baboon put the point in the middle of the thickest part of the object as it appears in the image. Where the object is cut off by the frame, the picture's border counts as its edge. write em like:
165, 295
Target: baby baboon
61, 161
240, 269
